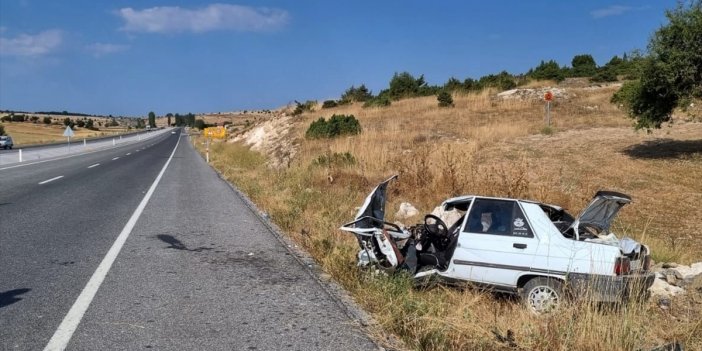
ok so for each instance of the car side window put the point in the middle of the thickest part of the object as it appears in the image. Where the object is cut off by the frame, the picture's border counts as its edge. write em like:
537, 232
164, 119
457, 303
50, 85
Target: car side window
520, 226
498, 217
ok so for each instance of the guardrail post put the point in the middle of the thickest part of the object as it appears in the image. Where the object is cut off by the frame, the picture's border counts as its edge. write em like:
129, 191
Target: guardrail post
113, 141
84, 143
20, 155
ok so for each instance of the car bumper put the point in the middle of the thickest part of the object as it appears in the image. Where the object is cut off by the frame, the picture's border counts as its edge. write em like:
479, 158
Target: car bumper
611, 288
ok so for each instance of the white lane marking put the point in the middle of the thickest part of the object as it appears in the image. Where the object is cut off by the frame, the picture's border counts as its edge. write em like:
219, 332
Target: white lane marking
116, 158
128, 153
57, 158
70, 323
95, 165
50, 180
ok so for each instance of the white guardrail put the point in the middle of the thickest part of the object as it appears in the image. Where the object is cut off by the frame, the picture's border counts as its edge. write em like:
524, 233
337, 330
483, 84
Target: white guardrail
79, 146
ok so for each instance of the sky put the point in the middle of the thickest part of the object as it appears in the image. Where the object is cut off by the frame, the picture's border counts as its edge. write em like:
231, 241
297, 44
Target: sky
126, 58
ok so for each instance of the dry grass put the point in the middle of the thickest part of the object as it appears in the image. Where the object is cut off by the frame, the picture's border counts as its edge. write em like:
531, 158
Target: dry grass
490, 147
25, 133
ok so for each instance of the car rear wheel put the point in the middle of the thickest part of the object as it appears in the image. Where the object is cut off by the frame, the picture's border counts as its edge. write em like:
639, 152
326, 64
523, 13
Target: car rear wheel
542, 295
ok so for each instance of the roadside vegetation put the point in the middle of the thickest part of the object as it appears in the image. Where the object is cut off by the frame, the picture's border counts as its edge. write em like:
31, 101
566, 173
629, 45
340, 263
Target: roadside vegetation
490, 146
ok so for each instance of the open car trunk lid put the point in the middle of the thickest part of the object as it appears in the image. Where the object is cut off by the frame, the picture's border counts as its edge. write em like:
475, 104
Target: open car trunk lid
602, 210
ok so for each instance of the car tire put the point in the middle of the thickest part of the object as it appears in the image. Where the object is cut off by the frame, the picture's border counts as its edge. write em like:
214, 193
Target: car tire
542, 295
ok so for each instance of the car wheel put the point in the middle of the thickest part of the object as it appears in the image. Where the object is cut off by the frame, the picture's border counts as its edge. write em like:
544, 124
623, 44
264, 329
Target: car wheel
542, 295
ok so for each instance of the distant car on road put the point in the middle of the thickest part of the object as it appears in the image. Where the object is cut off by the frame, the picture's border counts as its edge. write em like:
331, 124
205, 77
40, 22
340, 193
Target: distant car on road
173, 132
6, 142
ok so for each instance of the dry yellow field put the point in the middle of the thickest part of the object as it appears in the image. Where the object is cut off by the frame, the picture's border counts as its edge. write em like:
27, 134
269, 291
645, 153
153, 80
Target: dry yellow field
25, 133
491, 147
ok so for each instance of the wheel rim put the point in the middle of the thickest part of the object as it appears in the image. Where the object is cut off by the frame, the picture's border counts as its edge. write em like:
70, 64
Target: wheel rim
543, 299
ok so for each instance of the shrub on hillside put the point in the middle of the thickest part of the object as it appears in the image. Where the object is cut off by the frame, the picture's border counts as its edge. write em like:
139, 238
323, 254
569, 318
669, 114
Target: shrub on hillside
47, 120
329, 104
360, 94
335, 126
378, 101
445, 99
547, 70
502, 81
404, 85
18, 118
336, 159
604, 74
2, 130
300, 108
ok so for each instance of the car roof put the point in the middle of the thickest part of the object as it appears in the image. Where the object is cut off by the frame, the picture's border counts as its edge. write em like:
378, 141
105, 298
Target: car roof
454, 201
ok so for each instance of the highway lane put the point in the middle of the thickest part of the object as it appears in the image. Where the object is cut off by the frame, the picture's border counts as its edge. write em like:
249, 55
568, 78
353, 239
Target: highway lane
36, 153
53, 235
198, 271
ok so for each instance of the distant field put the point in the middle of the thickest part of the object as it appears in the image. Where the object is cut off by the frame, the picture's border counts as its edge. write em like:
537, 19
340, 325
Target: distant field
26, 133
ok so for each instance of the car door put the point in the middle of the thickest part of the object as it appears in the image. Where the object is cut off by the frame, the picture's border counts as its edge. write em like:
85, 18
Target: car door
496, 243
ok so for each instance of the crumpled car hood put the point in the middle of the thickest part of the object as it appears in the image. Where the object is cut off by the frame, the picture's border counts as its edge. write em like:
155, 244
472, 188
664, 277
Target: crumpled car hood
602, 210
374, 205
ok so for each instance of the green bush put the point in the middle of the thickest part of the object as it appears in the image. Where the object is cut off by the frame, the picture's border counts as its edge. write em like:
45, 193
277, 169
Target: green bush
335, 126
360, 94
604, 74
2, 130
445, 99
583, 66
378, 101
200, 124
47, 120
301, 108
336, 159
502, 81
329, 104
547, 70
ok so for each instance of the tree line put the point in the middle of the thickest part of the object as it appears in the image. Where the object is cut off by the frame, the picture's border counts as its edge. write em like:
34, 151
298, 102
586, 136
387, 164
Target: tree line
668, 76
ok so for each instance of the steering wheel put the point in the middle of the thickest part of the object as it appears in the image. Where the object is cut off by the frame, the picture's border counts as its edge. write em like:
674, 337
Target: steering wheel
435, 226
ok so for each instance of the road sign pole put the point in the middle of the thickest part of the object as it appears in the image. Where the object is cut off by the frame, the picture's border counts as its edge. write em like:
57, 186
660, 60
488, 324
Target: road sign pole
547, 118
69, 144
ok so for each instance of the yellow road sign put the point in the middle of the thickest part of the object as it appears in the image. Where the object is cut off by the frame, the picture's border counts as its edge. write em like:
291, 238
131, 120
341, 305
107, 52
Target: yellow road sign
215, 132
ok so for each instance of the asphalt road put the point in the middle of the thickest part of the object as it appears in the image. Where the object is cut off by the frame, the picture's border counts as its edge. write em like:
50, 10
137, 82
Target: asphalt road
198, 270
38, 153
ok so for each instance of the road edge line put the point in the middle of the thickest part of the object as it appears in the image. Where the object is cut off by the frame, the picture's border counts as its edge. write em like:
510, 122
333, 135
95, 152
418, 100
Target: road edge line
59, 341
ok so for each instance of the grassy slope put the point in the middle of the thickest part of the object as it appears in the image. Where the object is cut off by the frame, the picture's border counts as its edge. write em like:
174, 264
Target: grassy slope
491, 147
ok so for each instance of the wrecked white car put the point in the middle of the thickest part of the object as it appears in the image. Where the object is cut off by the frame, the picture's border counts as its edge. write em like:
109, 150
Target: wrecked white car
536, 250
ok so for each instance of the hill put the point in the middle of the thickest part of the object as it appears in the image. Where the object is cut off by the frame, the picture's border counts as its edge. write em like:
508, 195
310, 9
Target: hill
486, 144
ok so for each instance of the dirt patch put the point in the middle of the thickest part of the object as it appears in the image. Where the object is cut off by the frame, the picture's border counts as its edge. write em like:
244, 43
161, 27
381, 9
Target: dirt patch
273, 139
